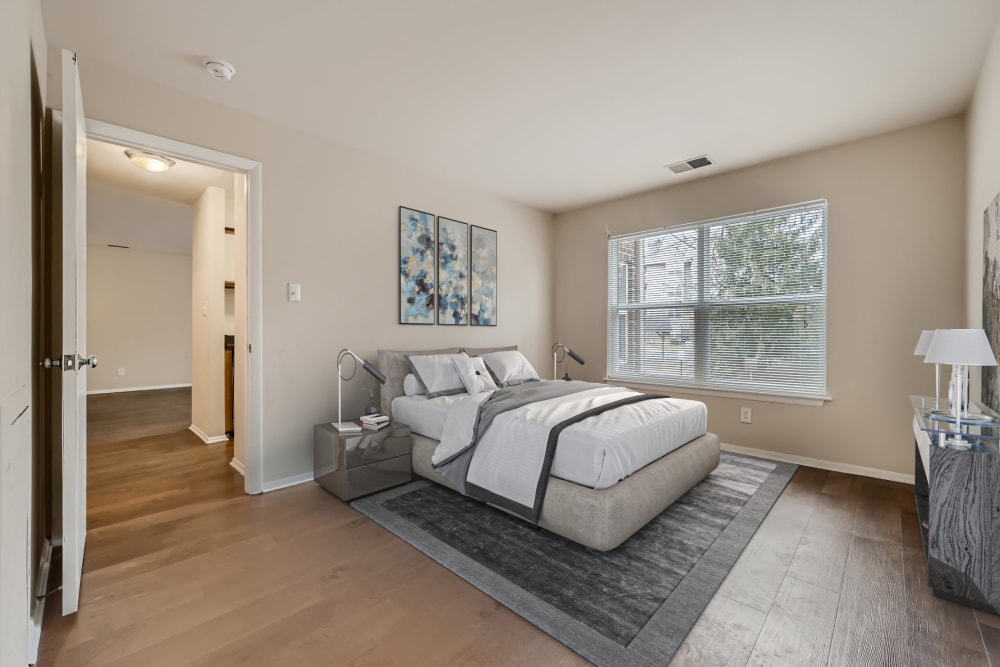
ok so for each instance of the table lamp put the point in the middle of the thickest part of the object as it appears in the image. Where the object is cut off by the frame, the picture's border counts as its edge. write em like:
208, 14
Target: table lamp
926, 336
556, 359
341, 425
960, 348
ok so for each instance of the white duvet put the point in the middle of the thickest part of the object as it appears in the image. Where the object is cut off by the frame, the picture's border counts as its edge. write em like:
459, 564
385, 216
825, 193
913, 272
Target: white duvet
597, 452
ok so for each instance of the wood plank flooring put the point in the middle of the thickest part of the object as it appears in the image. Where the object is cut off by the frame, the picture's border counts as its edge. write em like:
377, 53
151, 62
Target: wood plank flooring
181, 568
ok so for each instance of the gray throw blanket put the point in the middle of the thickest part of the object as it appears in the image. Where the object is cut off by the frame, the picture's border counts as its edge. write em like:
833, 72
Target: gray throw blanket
456, 468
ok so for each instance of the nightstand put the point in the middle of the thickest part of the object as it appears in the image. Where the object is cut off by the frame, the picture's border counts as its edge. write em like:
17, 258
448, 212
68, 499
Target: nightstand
350, 465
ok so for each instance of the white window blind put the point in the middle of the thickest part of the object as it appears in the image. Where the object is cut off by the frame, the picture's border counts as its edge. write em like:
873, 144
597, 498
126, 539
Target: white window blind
735, 304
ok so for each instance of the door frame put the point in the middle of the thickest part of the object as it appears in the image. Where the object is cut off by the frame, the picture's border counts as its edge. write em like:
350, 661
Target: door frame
253, 355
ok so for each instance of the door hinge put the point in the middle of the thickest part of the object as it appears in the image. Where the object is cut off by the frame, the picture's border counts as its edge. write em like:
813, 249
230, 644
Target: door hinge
250, 348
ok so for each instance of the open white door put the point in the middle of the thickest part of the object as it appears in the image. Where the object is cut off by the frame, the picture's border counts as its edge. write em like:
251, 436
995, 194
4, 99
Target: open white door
73, 150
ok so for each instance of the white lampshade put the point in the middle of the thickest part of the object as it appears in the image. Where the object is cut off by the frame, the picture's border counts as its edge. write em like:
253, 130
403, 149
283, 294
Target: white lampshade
966, 347
926, 336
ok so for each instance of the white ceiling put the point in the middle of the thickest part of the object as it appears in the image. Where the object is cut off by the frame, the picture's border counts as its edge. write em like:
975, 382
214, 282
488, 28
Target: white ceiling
556, 103
183, 183
144, 210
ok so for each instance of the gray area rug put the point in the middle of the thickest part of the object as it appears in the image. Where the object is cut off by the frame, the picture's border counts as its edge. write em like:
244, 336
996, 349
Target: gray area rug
630, 606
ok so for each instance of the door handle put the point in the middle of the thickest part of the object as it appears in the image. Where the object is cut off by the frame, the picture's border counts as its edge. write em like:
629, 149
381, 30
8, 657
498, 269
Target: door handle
87, 361
47, 363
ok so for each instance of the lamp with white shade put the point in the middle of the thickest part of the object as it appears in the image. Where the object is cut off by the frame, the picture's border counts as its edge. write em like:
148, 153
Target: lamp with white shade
924, 342
960, 348
341, 425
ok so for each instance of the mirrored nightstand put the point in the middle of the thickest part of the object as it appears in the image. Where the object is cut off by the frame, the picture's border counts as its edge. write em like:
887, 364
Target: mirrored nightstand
350, 465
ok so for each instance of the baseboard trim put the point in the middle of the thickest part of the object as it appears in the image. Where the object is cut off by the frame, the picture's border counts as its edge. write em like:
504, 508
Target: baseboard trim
238, 466
208, 440
835, 466
38, 604
287, 481
122, 390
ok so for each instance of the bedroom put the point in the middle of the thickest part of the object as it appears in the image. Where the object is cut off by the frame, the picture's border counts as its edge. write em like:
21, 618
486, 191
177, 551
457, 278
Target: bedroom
885, 185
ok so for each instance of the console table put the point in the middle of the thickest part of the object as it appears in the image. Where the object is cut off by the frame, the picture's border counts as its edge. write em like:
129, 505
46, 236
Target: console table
958, 500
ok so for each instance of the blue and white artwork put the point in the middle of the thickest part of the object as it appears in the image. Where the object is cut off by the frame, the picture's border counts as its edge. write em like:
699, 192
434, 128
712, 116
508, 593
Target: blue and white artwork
453, 271
416, 267
483, 288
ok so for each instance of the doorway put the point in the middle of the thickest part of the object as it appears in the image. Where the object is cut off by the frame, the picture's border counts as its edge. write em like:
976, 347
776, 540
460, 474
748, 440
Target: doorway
246, 350
161, 280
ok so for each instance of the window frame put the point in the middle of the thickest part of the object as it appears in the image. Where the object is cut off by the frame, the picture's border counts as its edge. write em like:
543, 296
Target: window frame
701, 383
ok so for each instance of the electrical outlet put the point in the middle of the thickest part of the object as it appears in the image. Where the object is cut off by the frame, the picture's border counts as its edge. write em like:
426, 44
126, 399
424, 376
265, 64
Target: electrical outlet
745, 414
121, 372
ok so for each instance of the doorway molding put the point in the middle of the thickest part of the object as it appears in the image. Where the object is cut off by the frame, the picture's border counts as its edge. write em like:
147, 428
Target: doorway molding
253, 355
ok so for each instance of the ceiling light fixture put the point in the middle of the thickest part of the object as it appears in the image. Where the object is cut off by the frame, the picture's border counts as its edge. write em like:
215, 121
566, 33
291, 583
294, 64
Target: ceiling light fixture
149, 161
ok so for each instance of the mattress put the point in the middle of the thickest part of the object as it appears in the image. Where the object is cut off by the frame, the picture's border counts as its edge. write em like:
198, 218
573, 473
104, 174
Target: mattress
597, 453
425, 416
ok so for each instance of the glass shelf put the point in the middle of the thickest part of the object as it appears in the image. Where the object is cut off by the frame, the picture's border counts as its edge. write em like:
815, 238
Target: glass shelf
982, 429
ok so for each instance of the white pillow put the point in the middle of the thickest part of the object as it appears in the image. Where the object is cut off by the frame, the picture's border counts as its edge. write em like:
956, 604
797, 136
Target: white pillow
509, 367
437, 373
412, 386
475, 377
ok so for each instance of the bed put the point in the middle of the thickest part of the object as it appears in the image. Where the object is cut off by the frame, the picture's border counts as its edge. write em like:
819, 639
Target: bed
599, 518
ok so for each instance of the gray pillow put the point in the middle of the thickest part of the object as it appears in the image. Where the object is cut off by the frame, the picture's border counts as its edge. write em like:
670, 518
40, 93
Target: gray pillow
509, 367
438, 373
394, 365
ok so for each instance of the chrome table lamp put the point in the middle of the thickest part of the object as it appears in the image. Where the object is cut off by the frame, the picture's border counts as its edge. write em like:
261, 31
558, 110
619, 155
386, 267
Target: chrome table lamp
341, 425
556, 349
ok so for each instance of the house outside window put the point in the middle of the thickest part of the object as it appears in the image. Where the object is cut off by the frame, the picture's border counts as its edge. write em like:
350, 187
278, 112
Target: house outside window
733, 304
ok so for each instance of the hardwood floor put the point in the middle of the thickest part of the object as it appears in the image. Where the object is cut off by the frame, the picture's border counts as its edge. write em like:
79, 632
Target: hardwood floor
181, 568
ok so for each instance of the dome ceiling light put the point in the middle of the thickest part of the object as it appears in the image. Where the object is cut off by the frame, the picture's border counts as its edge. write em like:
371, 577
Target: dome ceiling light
149, 161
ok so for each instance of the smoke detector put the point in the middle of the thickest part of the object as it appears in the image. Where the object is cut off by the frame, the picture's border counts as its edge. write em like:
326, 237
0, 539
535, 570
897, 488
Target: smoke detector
688, 165
219, 69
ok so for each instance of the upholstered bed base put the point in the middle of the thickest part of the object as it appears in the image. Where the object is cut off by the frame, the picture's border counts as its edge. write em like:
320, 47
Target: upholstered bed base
603, 519
598, 519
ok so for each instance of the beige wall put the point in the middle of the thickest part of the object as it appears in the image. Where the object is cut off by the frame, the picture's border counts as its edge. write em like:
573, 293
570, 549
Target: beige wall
208, 314
330, 223
138, 318
896, 244
122, 216
983, 179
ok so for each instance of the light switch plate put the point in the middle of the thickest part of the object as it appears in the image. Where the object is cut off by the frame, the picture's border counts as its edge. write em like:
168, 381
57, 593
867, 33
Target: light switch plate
294, 292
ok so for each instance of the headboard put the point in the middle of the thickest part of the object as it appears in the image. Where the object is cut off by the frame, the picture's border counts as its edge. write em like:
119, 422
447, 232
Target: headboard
395, 367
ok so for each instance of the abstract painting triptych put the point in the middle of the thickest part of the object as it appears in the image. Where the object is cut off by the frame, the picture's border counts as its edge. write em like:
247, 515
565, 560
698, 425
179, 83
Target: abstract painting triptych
447, 271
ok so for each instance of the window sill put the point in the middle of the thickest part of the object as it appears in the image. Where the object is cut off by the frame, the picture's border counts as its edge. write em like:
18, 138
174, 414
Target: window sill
700, 391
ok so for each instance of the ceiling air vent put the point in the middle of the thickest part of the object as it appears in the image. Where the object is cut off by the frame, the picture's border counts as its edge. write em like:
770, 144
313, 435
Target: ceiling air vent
688, 165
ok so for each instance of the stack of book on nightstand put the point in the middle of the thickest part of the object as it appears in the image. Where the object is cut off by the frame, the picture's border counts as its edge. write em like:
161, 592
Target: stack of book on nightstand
374, 422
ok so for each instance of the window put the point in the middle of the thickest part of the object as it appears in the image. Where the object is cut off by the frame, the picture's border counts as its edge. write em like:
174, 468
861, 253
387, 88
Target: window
735, 304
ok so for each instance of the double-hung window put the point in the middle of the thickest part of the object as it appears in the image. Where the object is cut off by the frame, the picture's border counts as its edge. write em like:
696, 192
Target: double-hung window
734, 304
